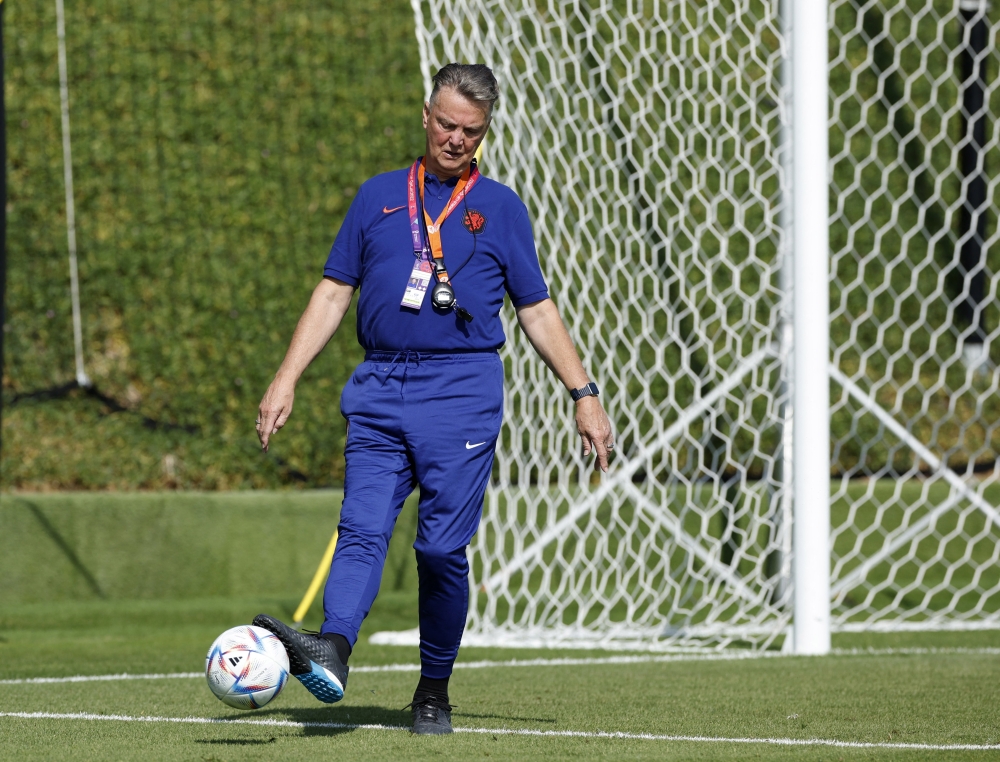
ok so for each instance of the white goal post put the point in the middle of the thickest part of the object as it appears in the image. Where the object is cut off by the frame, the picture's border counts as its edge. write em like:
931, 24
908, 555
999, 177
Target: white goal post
713, 185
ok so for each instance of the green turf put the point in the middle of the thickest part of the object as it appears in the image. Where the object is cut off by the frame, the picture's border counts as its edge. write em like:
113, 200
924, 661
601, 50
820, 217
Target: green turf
943, 698
159, 613
149, 546
135, 546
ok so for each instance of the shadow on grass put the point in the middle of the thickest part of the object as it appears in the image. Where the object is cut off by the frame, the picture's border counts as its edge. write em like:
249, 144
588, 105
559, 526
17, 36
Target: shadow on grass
506, 717
237, 741
373, 715
349, 716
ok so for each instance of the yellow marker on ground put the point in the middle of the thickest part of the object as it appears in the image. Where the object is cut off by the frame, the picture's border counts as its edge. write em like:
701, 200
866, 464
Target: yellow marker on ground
317, 580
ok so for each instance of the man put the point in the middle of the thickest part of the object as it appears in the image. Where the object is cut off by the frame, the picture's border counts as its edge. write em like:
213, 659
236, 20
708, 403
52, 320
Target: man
433, 249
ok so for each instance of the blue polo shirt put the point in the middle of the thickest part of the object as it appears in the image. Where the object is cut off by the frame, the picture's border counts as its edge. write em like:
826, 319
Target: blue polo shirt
374, 252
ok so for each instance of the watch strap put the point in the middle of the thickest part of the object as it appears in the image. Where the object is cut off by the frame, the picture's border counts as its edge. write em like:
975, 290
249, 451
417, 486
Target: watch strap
590, 390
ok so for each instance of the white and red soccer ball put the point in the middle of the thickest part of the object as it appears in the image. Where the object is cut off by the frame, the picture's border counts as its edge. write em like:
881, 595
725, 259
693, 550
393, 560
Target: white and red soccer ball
246, 667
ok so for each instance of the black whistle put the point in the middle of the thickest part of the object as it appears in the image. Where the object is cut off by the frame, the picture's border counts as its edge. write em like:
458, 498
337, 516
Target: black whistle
463, 313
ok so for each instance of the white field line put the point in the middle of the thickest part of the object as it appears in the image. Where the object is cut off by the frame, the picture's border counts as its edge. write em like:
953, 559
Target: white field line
100, 678
504, 731
566, 662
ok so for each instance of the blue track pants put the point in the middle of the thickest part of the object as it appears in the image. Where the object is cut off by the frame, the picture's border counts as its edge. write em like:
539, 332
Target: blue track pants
415, 418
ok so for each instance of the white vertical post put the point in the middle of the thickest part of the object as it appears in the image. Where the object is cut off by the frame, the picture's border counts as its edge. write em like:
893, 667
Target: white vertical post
74, 279
783, 515
811, 325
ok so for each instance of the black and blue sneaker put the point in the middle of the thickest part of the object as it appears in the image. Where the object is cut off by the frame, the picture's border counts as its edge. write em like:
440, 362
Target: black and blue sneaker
311, 659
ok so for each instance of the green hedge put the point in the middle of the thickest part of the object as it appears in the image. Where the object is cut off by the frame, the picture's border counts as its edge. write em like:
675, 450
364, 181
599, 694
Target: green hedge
217, 146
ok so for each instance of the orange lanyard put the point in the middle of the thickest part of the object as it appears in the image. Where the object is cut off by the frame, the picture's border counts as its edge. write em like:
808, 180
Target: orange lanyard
464, 185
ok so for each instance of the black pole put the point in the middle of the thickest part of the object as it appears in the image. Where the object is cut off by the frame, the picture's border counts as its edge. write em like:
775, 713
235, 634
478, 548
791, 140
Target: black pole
973, 167
3, 201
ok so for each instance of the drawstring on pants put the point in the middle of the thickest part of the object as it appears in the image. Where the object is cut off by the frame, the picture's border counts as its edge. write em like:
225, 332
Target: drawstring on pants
407, 355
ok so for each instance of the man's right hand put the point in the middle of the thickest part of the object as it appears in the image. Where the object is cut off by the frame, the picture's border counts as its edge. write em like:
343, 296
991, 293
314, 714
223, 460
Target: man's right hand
329, 301
274, 410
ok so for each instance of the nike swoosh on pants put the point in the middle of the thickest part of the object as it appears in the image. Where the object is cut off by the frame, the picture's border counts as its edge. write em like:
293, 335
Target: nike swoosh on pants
473, 446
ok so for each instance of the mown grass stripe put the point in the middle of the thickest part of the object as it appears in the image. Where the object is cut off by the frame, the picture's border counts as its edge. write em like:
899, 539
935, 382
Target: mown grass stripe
559, 662
506, 731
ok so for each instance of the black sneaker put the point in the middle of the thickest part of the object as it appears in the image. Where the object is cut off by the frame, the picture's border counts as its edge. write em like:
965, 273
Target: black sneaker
312, 659
431, 716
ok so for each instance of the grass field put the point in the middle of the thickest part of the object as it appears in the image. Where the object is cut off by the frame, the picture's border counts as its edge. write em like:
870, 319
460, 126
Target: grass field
101, 606
938, 699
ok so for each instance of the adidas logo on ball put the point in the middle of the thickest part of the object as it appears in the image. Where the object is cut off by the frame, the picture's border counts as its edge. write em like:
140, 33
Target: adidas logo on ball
246, 667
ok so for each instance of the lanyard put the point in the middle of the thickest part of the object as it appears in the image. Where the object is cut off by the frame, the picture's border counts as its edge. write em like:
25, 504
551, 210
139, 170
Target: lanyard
415, 184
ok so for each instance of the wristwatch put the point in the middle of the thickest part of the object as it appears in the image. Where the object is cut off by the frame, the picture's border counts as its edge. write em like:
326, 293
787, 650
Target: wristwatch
590, 390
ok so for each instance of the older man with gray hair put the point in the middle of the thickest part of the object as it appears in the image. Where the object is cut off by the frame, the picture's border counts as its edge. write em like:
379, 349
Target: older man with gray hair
425, 406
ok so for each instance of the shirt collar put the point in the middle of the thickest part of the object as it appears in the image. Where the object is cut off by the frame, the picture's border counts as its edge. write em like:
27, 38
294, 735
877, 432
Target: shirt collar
431, 181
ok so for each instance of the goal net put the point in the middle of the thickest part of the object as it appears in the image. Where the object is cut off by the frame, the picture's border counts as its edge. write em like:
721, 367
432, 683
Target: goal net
650, 141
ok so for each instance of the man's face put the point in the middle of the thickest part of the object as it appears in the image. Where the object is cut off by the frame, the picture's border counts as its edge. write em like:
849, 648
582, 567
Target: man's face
455, 127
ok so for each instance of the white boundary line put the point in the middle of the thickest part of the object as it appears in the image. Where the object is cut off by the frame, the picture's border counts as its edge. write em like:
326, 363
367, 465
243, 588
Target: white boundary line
99, 678
565, 662
504, 731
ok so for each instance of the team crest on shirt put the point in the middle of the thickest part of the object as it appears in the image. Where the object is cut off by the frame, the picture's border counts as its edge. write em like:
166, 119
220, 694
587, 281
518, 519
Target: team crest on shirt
474, 221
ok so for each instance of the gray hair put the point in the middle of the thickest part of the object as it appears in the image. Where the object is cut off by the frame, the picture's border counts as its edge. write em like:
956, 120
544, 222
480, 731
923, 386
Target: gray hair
472, 81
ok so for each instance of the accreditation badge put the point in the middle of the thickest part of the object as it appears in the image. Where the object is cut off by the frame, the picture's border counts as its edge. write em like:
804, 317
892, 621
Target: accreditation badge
420, 278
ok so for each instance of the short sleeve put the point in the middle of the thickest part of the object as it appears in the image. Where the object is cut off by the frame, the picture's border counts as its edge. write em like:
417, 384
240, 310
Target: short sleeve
344, 262
523, 276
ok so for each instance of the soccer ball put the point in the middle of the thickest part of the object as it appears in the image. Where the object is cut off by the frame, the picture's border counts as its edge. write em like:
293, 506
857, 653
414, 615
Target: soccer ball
246, 667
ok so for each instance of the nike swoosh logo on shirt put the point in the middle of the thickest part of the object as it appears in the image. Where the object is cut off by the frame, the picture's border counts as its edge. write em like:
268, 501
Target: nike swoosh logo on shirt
387, 210
473, 446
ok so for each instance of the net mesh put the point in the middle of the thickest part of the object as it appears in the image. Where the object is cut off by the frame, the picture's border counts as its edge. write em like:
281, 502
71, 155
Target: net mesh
915, 402
650, 142
645, 141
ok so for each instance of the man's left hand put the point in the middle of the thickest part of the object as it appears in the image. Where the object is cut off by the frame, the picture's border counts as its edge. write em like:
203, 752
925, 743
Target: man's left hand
595, 430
